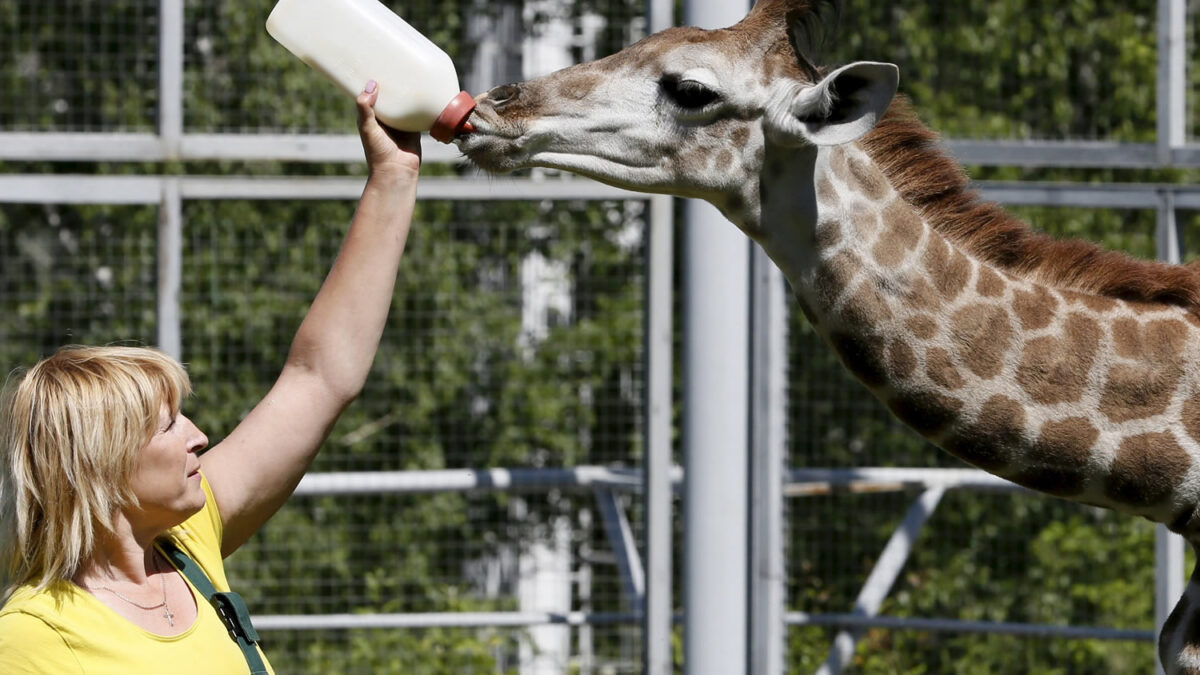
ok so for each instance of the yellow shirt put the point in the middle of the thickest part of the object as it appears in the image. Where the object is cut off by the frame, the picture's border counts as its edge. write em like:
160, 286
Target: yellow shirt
64, 629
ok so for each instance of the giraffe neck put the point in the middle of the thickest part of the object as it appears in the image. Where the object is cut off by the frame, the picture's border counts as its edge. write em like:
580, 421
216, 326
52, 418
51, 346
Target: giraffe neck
1085, 397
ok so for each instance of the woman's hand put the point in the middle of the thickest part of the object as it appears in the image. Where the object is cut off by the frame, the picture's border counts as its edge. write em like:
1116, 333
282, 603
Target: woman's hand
389, 152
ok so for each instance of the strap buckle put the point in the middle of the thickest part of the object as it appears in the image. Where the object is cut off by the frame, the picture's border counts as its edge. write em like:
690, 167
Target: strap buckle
235, 615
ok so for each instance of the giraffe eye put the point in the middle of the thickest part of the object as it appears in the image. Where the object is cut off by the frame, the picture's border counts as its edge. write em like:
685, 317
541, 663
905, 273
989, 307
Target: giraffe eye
688, 94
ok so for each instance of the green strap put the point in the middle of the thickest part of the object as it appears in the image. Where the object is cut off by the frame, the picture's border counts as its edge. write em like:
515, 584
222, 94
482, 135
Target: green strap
230, 606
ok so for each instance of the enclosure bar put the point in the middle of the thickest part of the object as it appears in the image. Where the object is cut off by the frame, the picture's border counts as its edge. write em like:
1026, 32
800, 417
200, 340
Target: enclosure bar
346, 148
1172, 78
90, 189
1169, 578
34, 189
716, 438
957, 626
716, 433
271, 622
623, 544
923, 478
437, 620
1050, 154
170, 76
1168, 236
768, 413
659, 470
457, 189
464, 480
883, 576
170, 270
335, 148
484, 480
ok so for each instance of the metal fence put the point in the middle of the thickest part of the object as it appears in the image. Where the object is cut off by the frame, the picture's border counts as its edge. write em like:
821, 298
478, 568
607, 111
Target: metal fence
161, 184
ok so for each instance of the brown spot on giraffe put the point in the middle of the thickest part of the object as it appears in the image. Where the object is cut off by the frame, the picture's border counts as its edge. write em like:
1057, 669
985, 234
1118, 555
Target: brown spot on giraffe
949, 269
1147, 469
982, 334
941, 369
902, 359
902, 234
1035, 309
740, 136
1055, 369
928, 413
1057, 462
1138, 392
921, 295
994, 439
828, 234
865, 309
862, 355
922, 327
826, 194
868, 179
989, 285
833, 276
725, 159
1160, 340
1144, 388
839, 163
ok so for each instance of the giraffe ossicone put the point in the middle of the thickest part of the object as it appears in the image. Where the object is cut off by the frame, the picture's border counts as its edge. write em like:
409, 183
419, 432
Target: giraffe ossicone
1055, 364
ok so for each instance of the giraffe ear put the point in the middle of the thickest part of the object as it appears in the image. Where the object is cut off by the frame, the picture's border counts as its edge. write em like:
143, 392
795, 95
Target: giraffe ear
847, 103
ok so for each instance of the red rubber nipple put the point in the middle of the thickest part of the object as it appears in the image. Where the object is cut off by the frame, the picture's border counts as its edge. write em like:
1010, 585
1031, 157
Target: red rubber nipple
453, 118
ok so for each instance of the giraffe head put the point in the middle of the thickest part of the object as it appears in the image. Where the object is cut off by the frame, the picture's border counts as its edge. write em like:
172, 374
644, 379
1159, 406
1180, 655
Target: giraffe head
688, 112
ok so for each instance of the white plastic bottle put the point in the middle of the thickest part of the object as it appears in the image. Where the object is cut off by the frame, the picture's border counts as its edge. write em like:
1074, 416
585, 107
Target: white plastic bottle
353, 41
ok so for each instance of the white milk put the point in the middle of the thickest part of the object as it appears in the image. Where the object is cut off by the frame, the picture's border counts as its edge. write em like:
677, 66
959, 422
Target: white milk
353, 41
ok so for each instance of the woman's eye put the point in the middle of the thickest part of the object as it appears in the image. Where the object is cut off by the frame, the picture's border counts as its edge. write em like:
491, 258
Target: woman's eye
688, 94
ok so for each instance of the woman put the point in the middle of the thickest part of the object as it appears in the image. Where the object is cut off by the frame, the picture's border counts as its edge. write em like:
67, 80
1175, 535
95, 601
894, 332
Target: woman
100, 480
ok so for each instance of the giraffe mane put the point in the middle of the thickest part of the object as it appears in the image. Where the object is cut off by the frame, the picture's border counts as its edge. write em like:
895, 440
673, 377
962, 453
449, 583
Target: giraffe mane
910, 156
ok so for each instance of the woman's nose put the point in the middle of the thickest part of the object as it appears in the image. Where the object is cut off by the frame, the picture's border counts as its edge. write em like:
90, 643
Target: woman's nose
197, 441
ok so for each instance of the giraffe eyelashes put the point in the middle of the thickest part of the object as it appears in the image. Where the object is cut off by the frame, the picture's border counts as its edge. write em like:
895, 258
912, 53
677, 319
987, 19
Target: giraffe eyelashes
688, 94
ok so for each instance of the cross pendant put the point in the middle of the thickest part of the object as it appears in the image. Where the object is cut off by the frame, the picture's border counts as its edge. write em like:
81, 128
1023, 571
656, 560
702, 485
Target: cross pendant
169, 616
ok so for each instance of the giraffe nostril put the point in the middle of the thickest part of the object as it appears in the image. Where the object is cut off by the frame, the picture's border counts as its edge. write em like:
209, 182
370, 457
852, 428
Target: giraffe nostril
504, 94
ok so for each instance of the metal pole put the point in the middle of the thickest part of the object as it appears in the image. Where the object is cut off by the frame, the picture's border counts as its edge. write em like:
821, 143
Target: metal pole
170, 76
657, 610
1168, 547
716, 426
1172, 78
170, 269
716, 435
659, 335
768, 431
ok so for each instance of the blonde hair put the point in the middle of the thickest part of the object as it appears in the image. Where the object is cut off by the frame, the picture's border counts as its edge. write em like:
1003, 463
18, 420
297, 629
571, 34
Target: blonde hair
71, 428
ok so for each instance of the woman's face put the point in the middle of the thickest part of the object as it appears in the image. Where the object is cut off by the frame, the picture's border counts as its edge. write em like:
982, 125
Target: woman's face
166, 480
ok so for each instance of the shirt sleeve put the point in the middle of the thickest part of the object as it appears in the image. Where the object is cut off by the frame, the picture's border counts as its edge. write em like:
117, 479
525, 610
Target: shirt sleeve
30, 646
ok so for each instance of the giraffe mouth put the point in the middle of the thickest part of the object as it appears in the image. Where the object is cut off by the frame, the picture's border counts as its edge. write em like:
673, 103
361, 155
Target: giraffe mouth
493, 147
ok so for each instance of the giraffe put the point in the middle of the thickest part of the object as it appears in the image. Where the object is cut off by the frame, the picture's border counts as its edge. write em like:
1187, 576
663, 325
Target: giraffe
1059, 366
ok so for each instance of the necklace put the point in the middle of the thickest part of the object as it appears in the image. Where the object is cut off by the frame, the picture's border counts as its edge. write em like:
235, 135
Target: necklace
167, 613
